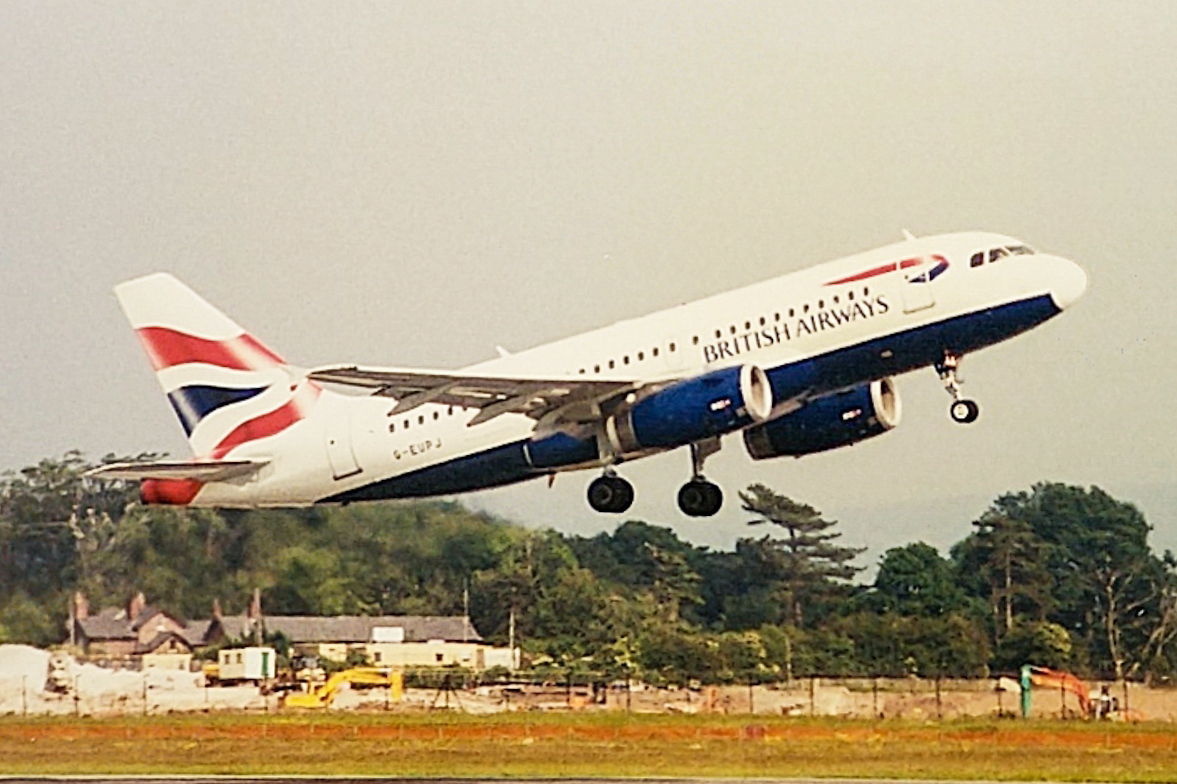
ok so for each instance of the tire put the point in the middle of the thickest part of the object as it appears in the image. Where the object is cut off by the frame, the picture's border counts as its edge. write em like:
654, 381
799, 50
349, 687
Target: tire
964, 411
698, 498
610, 494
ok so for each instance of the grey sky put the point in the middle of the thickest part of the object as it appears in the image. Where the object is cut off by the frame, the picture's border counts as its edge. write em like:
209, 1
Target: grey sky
414, 183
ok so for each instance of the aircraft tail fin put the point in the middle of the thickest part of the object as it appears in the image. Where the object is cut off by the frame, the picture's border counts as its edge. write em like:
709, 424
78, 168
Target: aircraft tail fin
225, 386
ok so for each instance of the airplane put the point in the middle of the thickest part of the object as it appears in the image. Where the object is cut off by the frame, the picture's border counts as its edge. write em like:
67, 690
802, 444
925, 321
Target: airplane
798, 364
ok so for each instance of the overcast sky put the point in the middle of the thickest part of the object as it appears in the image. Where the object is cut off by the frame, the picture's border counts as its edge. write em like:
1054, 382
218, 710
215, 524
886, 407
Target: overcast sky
414, 183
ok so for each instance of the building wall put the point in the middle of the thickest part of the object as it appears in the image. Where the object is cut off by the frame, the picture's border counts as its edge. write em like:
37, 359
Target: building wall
167, 661
436, 653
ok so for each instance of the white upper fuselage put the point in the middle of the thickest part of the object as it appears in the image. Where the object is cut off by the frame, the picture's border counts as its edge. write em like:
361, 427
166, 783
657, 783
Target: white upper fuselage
348, 441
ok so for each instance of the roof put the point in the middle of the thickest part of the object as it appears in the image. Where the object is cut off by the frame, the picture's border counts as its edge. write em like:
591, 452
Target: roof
356, 628
158, 641
112, 623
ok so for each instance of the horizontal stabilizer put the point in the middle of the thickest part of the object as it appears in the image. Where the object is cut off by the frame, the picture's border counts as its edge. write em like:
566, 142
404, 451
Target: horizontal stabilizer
199, 470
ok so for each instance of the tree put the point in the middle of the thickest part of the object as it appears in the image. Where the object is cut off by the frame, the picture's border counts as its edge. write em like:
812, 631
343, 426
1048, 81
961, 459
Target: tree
806, 563
1007, 562
915, 580
1110, 589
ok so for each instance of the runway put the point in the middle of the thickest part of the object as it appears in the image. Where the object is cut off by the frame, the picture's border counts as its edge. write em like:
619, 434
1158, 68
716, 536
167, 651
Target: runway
382, 779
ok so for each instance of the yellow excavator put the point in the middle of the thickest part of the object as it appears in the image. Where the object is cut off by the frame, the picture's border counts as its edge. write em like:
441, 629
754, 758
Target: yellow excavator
321, 696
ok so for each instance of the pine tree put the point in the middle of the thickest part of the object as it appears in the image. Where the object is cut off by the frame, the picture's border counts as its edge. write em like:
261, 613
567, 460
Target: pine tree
807, 564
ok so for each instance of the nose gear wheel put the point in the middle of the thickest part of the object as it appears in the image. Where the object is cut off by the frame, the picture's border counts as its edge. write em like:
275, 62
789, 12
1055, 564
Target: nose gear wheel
963, 411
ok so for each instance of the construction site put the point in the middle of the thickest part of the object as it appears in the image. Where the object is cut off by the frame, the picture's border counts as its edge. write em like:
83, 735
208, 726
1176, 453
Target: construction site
39, 682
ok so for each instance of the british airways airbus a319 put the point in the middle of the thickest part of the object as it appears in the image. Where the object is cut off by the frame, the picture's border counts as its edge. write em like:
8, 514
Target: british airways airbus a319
798, 364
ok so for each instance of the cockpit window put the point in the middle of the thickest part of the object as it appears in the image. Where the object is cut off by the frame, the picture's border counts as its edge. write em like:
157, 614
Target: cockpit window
978, 258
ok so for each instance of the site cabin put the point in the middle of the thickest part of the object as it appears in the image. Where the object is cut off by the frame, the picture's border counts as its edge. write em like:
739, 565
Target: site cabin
246, 664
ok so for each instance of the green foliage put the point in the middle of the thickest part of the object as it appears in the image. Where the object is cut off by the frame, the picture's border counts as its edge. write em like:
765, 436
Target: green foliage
1059, 576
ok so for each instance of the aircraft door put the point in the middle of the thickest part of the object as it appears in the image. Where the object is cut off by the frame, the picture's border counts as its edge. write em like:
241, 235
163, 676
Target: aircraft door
340, 453
917, 291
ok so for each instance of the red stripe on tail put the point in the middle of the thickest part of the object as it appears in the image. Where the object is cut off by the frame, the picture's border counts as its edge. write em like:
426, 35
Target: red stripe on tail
167, 348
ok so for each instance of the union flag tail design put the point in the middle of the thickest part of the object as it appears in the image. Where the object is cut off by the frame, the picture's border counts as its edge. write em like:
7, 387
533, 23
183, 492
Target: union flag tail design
226, 387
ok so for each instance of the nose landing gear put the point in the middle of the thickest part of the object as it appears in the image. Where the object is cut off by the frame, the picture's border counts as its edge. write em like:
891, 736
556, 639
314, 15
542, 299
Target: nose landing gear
963, 411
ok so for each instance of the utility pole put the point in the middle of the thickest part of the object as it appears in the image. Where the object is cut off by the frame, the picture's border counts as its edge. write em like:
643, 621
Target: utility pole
511, 638
466, 611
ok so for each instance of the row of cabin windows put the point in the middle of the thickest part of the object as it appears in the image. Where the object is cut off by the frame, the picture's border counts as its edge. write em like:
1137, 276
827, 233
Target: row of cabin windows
734, 329
994, 254
408, 421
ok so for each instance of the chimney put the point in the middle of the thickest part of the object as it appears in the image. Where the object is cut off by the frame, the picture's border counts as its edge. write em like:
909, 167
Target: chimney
217, 614
136, 606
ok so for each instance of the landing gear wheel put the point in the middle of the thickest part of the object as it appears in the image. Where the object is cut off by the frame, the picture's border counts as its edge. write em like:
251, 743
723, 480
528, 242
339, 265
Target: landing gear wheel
610, 494
700, 498
964, 411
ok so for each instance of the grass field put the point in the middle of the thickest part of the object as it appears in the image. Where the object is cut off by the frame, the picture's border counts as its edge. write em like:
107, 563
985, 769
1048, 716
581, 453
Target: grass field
566, 745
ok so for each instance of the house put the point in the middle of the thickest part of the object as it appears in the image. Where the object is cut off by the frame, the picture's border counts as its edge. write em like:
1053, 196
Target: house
390, 640
126, 634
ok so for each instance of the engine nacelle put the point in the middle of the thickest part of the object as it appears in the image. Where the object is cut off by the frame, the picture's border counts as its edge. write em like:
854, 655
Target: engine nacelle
690, 410
836, 420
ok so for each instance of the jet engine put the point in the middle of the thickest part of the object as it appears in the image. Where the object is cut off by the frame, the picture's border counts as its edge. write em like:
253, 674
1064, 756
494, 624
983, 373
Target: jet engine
840, 419
692, 409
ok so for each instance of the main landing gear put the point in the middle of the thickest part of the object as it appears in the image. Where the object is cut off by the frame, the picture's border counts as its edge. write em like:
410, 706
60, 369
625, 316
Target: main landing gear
698, 497
962, 410
610, 494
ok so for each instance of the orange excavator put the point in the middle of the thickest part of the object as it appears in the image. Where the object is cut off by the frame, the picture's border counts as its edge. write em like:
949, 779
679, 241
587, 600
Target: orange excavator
1046, 678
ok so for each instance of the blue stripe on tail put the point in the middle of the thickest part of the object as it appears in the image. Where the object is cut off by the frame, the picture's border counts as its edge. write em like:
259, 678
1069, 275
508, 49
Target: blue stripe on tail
194, 403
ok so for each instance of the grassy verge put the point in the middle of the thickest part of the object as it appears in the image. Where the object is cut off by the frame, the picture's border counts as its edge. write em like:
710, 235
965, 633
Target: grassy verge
566, 745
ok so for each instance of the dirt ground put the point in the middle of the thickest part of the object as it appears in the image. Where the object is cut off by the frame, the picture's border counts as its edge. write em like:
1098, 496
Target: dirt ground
97, 692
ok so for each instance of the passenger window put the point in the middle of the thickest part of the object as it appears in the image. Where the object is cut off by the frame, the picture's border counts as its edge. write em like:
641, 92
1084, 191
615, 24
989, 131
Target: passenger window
718, 334
733, 328
655, 351
747, 325
612, 364
625, 360
763, 321
978, 259
641, 356
596, 368
672, 347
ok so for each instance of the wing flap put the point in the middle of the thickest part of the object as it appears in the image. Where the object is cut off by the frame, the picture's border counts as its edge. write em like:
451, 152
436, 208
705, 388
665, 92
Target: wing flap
200, 470
492, 395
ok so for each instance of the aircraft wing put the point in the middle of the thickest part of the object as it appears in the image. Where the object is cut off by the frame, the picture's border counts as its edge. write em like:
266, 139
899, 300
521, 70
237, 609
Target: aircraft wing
200, 470
571, 399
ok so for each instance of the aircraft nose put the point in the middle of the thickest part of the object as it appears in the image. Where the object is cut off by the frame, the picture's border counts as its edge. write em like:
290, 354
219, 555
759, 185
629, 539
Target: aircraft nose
1069, 283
